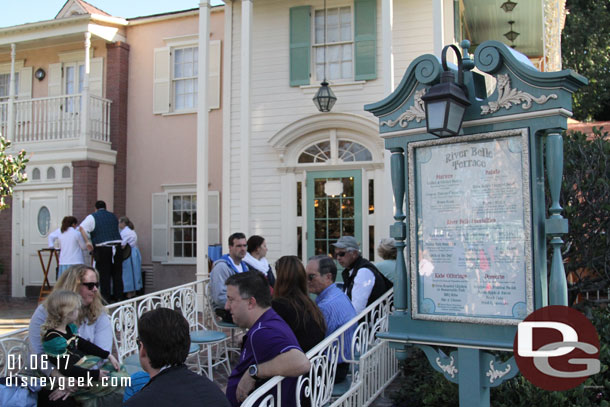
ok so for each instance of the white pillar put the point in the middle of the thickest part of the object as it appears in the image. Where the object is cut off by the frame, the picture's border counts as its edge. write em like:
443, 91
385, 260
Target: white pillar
227, 129
202, 140
385, 208
244, 122
11, 98
438, 25
84, 103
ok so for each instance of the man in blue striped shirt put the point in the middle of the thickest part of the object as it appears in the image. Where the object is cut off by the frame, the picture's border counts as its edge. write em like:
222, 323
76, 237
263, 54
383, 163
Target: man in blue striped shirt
334, 304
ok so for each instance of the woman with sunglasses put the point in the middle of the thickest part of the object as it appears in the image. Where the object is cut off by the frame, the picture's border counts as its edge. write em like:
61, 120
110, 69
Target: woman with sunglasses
292, 303
93, 323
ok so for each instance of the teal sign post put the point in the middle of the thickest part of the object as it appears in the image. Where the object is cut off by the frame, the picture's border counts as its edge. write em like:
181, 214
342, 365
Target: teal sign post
475, 226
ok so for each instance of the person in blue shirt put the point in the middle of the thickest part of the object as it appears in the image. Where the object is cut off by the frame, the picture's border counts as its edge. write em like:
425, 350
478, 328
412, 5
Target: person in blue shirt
335, 305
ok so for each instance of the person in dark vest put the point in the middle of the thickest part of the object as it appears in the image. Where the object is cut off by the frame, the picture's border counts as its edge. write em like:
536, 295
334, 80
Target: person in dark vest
225, 267
101, 233
362, 282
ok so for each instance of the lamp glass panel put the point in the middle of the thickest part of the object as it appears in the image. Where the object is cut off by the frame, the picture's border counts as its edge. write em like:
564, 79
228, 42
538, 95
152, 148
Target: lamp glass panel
436, 114
454, 119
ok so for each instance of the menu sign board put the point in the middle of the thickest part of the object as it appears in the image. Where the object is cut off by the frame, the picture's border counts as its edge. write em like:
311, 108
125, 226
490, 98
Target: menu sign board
470, 228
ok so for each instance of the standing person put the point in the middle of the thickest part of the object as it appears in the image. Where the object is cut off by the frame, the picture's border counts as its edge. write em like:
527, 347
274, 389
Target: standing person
255, 257
270, 348
334, 304
71, 244
163, 345
132, 266
291, 302
363, 283
103, 227
387, 251
93, 324
225, 267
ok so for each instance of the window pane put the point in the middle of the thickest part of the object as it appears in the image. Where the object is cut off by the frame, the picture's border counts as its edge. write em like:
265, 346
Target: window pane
319, 24
332, 25
188, 235
299, 198
334, 206
320, 208
179, 56
371, 242
177, 203
320, 226
188, 250
177, 249
177, 235
371, 196
334, 231
176, 218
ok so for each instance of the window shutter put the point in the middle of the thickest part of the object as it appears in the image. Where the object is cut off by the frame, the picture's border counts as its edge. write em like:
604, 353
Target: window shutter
160, 227
25, 83
96, 77
365, 39
214, 75
300, 45
54, 79
213, 217
161, 81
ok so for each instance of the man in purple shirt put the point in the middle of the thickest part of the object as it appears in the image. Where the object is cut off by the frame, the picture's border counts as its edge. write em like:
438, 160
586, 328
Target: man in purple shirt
270, 348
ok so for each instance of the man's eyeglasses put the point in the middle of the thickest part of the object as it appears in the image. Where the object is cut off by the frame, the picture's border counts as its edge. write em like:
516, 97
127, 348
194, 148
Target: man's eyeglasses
90, 286
340, 254
311, 277
138, 342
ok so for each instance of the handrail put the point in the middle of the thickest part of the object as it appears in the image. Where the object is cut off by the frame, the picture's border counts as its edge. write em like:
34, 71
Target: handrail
322, 347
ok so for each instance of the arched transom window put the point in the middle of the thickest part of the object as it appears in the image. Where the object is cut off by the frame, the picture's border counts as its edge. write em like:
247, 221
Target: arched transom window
346, 151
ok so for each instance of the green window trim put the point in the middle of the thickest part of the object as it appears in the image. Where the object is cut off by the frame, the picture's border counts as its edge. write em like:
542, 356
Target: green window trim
300, 45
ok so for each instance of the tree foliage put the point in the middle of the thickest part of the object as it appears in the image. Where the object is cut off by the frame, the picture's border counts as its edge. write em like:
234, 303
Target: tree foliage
12, 171
585, 197
585, 48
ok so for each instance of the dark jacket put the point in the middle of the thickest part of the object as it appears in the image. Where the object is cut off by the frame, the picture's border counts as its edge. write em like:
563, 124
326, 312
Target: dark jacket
106, 227
382, 284
178, 386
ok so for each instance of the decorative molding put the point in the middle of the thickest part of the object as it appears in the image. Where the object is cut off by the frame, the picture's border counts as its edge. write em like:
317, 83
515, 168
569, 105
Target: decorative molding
494, 374
507, 97
449, 369
416, 112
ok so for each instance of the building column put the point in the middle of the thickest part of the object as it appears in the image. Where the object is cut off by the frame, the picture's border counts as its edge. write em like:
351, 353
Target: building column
6, 254
11, 97
438, 24
244, 123
203, 141
116, 90
84, 188
84, 117
386, 210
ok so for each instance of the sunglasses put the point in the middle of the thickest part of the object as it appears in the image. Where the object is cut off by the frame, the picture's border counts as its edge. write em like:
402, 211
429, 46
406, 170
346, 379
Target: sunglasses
340, 254
90, 286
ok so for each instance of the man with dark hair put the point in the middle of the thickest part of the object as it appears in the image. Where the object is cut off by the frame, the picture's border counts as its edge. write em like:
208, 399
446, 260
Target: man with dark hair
223, 268
270, 347
363, 283
334, 304
103, 228
163, 346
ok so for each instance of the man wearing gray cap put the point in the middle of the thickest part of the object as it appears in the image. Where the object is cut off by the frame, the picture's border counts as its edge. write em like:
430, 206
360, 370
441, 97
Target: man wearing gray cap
362, 282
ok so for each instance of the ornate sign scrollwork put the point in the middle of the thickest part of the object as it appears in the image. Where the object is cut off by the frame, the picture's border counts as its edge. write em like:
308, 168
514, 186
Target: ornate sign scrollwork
507, 97
494, 374
416, 112
449, 369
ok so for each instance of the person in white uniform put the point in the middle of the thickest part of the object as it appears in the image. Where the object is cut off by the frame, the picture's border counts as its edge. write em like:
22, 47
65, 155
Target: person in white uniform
70, 242
132, 266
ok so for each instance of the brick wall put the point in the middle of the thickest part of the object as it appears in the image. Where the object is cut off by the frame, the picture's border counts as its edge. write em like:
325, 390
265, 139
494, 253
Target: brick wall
6, 229
84, 188
116, 90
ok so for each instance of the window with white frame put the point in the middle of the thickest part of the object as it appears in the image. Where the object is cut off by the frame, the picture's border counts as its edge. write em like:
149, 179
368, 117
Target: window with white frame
174, 223
5, 83
184, 79
339, 44
335, 150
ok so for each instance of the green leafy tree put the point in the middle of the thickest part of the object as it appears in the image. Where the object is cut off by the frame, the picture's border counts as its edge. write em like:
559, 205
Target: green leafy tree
585, 48
12, 171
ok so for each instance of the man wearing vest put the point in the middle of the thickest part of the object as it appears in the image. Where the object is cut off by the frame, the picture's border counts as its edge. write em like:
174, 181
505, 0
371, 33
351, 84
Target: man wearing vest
362, 282
105, 241
225, 267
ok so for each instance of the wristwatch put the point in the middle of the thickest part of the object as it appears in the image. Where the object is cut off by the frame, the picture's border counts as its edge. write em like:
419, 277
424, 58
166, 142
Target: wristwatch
252, 371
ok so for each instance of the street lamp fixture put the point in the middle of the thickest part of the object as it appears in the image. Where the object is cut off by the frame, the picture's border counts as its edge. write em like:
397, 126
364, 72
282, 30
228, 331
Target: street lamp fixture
447, 101
508, 6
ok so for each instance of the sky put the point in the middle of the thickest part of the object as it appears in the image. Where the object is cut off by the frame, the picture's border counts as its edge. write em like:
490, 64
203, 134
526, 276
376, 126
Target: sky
15, 12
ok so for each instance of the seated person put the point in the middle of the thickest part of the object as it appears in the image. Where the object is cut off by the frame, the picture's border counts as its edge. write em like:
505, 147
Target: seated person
225, 267
163, 346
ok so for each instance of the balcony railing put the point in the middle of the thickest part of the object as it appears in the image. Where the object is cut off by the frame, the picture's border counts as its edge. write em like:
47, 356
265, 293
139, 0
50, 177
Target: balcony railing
57, 118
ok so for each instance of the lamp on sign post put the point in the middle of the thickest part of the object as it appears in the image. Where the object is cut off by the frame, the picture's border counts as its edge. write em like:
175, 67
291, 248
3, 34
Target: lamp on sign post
447, 101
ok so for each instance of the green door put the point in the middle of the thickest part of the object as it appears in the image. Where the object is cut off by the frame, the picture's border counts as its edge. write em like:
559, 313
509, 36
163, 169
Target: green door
331, 216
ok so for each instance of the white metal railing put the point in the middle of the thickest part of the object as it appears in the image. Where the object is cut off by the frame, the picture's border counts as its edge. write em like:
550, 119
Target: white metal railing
373, 362
57, 118
123, 324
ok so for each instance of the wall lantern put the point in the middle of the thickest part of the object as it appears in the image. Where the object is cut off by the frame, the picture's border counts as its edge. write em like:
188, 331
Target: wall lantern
325, 98
447, 101
508, 6
40, 74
